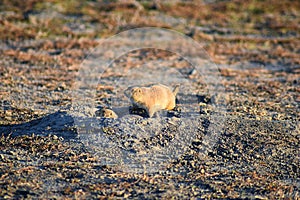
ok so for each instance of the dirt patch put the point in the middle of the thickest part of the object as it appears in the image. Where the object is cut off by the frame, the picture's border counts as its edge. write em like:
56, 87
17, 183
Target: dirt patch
46, 152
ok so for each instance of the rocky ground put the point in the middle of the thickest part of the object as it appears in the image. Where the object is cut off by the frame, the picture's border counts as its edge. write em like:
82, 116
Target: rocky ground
233, 138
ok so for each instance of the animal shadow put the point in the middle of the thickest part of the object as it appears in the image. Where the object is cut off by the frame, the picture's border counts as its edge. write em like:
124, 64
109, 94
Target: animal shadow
58, 123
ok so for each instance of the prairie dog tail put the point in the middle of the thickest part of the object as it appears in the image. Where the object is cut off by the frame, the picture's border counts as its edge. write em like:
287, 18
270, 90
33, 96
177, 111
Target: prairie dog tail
176, 89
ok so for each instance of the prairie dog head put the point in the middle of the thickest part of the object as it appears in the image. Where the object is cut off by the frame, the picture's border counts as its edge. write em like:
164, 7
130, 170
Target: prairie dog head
137, 94
108, 113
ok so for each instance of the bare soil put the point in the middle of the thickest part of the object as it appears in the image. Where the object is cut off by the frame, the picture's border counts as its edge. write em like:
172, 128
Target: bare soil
255, 45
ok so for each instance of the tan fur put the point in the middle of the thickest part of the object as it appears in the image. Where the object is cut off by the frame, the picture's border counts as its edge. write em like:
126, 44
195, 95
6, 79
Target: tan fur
154, 98
108, 113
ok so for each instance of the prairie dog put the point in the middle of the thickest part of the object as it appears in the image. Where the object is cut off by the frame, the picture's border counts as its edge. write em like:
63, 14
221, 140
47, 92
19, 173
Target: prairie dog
154, 98
108, 113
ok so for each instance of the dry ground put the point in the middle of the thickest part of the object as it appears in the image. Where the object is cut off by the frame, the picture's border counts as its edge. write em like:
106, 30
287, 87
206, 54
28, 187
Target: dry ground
256, 46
